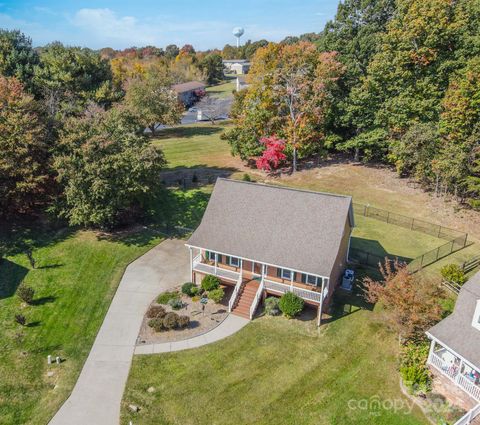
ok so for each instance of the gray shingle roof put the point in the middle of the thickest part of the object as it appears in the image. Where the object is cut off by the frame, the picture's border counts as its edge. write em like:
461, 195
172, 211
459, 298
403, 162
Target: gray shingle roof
296, 229
456, 330
189, 86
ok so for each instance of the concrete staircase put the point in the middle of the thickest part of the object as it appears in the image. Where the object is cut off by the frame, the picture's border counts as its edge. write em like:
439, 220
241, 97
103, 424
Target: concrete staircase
245, 299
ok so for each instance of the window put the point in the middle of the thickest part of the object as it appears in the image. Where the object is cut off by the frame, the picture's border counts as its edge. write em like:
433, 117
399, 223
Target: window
476, 316
286, 274
211, 255
234, 261
311, 280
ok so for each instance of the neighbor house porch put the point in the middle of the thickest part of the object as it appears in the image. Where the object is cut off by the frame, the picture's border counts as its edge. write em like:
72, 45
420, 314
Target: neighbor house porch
453, 366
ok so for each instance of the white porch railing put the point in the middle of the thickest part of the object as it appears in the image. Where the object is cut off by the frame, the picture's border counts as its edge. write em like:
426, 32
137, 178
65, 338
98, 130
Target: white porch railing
281, 288
204, 268
233, 298
256, 300
453, 372
469, 416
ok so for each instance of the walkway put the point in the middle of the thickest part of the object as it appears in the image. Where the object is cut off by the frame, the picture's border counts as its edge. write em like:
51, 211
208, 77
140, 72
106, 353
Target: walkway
97, 395
228, 327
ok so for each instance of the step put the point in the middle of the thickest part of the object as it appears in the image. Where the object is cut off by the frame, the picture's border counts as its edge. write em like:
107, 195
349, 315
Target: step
244, 315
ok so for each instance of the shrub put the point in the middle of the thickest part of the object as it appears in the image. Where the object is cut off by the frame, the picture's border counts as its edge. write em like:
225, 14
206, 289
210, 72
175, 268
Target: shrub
26, 293
271, 306
413, 367
290, 304
196, 298
453, 273
156, 311
183, 321
21, 319
246, 177
170, 321
156, 324
175, 303
216, 295
210, 282
189, 288
165, 297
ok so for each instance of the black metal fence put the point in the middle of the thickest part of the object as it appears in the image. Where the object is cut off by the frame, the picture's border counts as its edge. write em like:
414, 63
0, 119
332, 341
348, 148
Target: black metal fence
456, 240
471, 264
410, 223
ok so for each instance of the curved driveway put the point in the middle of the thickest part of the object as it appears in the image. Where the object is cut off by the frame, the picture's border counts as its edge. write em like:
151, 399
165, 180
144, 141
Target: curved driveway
97, 395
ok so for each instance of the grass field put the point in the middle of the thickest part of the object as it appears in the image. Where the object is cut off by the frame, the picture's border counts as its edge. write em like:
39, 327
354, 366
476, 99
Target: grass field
274, 371
224, 89
75, 279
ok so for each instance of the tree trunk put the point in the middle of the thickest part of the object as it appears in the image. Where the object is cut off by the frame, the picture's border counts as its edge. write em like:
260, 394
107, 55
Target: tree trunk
152, 129
356, 157
294, 165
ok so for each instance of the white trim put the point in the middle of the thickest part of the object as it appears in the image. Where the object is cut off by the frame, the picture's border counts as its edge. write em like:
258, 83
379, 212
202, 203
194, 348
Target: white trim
290, 272
258, 261
230, 258
453, 351
476, 316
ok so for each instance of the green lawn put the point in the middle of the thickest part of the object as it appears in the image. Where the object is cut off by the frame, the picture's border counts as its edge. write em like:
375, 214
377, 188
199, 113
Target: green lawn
224, 89
195, 145
274, 371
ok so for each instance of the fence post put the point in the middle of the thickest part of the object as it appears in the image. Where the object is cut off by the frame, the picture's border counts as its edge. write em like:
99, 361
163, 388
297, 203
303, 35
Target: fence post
465, 241
421, 261
439, 231
365, 209
388, 216
411, 225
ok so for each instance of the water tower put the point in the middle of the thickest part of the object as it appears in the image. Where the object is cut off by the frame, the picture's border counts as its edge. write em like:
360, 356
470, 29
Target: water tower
238, 32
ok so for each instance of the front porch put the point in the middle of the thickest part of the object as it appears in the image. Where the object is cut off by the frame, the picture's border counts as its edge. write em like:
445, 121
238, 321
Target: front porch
457, 369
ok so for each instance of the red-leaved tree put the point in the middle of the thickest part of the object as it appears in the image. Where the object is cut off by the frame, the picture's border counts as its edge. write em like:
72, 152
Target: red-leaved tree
273, 154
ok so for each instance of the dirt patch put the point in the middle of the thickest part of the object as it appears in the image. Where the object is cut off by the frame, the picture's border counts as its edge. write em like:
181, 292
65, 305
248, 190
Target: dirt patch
202, 320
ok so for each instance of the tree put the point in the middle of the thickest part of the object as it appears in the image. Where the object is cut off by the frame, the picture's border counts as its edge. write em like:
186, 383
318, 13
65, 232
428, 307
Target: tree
17, 57
411, 304
213, 108
212, 66
25, 179
153, 101
171, 51
106, 167
70, 77
273, 154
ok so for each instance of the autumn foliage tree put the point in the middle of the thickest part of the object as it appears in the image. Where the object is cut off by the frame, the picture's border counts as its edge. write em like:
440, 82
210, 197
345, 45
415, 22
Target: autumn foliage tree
273, 154
410, 304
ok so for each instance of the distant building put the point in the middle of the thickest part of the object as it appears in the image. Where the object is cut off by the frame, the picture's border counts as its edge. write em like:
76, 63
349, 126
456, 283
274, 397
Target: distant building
237, 66
189, 93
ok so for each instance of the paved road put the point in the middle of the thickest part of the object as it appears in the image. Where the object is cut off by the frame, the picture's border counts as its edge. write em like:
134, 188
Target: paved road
97, 395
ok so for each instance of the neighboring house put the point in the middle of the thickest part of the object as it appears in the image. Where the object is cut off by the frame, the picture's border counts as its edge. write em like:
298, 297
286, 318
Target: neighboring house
189, 93
241, 83
237, 66
270, 240
455, 346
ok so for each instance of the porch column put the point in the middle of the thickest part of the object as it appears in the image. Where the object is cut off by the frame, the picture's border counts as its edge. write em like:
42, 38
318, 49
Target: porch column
216, 262
191, 263
291, 280
241, 266
320, 307
432, 346
459, 370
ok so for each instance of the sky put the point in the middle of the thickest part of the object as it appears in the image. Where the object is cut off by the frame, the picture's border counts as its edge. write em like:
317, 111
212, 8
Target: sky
124, 23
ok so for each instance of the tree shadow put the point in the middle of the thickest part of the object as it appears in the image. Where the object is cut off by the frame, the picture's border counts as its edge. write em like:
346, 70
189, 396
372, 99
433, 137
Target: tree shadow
43, 300
371, 252
50, 266
186, 131
33, 324
11, 276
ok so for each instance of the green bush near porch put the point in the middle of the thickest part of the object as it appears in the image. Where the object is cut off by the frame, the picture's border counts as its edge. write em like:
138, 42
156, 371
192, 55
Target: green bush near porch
210, 282
290, 304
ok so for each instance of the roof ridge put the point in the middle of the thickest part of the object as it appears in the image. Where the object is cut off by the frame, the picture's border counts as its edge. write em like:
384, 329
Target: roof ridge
285, 188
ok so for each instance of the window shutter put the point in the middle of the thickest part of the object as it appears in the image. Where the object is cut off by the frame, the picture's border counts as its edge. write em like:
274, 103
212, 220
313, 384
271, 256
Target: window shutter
295, 276
304, 278
219, 258
279, 272
227, 259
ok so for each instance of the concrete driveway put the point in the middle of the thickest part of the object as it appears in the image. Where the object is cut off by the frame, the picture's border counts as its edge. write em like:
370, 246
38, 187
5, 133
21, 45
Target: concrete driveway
97, 395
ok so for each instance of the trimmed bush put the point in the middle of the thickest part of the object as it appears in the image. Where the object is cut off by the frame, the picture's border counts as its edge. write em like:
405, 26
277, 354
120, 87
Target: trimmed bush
216, 295
271, 306
246, 177
21, 319
190, 289
165, 297
156, 324
183, 321
210, 282
170, 321
26, 293
156, 311
453, 273
290, 304
175, 303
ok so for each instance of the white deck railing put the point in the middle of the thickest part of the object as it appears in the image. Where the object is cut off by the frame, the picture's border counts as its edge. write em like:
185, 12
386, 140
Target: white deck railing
281, 288
453, 372
469, 416
233, 298
256, 300
204, 268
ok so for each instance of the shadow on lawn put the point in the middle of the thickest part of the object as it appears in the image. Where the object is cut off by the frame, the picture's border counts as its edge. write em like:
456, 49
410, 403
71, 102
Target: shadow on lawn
11, 276
371, 252
187, 131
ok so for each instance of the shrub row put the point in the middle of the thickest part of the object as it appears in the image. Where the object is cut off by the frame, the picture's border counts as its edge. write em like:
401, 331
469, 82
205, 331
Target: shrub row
169, 321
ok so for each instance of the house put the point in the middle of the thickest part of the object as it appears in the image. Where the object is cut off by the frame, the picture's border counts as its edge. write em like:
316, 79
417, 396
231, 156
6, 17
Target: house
241, 83
236, 66
265, 239
190, 92
455, 341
